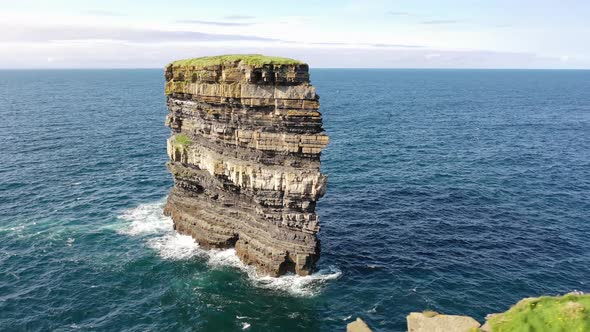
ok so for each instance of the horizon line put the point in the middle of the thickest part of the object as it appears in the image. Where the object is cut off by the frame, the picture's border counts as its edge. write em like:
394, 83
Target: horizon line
369, 68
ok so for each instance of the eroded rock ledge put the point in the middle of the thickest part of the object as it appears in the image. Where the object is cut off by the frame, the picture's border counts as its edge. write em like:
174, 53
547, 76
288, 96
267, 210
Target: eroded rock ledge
245, 157
570, 312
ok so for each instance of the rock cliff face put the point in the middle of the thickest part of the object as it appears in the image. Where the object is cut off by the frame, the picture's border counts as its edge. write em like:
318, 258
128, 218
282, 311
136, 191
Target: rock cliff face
245, 156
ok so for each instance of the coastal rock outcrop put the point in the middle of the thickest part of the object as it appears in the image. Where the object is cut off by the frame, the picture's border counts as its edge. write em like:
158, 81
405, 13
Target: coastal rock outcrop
434, 322
570, 312
358, 325
245, 157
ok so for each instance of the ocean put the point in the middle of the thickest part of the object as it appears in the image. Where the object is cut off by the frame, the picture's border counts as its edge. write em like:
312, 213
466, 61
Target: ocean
460, 191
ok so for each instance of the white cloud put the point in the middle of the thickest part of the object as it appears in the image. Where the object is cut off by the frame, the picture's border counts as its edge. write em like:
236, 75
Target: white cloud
109, 40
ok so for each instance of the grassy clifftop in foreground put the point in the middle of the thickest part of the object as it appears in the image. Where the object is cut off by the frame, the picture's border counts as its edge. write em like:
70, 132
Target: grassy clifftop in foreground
249, 59
568, 313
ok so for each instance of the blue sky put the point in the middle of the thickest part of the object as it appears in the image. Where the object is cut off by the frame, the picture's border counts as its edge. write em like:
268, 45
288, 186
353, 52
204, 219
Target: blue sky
370, 33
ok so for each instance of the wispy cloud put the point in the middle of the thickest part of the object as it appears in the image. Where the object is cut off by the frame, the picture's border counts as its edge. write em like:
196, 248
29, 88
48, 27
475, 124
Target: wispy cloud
325, 43
432, 55
103, 13
434, 22
57, 33
107, 54
395, 13
216, 23
396, 45
355, 45
238, 17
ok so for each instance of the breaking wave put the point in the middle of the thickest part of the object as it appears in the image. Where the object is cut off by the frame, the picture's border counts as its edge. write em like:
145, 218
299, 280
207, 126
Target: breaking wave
148, 221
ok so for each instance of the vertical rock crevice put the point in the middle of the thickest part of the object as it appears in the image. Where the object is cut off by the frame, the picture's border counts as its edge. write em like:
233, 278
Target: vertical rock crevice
245, 156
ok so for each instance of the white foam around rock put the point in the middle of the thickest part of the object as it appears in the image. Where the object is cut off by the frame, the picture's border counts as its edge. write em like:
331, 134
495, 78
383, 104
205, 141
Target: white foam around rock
148, 221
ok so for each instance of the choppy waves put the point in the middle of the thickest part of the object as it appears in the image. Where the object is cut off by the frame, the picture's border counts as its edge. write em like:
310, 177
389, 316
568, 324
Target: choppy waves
457, 191
148, 221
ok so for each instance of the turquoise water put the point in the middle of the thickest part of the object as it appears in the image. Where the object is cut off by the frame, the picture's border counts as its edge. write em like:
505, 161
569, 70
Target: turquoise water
460, 191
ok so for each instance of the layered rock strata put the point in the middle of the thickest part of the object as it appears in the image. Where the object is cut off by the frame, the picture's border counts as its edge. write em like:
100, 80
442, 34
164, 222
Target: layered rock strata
245, 157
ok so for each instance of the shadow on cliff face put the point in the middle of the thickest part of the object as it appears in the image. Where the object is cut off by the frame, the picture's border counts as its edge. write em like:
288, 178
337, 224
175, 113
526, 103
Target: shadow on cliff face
288, 266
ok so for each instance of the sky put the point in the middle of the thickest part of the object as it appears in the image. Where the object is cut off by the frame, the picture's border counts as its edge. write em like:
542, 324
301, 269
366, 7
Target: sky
323, 33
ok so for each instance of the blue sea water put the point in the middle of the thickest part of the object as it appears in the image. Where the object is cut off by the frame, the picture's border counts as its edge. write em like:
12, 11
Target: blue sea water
460, 191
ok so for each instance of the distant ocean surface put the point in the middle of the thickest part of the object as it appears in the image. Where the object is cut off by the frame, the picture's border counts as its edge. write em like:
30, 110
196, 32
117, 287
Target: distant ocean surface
459, 191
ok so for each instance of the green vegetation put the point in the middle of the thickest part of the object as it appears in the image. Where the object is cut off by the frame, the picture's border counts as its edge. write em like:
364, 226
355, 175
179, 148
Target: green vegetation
568, 313
182, 140
250, 59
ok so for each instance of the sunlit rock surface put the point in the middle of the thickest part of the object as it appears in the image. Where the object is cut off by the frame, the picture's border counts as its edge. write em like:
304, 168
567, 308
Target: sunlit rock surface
358, 325
421, 322
245, 156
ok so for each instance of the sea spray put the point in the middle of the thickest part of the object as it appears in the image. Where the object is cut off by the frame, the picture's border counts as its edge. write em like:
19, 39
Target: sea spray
148, 221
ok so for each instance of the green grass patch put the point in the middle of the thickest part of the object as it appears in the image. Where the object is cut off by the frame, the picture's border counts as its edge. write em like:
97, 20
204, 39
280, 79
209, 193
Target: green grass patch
182, 139
249, 59
568, 313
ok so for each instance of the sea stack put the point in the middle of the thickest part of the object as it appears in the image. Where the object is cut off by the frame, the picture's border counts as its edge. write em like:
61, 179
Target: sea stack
245, 156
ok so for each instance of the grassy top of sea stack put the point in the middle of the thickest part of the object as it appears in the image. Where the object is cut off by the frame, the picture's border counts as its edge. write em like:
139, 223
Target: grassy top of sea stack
248, 59
570, 312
